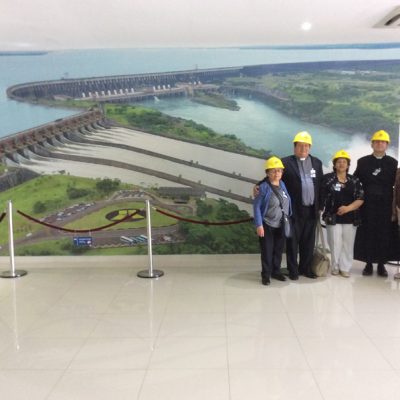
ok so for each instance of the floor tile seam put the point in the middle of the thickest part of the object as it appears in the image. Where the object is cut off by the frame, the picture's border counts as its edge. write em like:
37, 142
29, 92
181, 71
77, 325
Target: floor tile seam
72, 314
227, 348
342, 302
169, 336
67, 368
126, 314
155, 340
104, 369
8, 369
372, 342
25, 331
84, 343
54, 304
389, 368
306, 359
13, 330
330, 314
368, 337
107, 307
358, 369
186, 369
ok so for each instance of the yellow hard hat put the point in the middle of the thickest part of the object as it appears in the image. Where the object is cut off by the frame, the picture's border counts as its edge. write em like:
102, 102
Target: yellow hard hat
381, 135
273, 162
341, 154
303, 137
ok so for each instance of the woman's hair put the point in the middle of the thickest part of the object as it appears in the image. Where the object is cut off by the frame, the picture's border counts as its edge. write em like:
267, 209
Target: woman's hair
334, 162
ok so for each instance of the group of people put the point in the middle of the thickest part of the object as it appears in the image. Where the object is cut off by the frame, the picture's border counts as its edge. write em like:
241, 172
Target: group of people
358, 210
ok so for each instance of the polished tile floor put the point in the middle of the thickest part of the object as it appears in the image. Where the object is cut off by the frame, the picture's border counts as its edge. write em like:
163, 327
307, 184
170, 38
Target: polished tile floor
208, 329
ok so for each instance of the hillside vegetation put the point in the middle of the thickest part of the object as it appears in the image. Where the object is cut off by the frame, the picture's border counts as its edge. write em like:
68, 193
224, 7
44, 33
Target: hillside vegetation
353, 101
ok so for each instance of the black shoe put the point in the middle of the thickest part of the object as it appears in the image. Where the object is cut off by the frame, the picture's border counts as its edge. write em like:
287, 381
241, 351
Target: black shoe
265, 281
293, 277
368, 269
279, 277
382, 270
310, 275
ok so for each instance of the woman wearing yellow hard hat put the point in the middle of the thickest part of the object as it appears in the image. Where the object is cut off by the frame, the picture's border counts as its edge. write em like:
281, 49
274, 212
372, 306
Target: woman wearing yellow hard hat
341, 197
377, 174
271, 206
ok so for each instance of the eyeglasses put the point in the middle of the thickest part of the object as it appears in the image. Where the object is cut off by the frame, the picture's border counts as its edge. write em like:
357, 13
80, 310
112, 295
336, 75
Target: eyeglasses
276, 171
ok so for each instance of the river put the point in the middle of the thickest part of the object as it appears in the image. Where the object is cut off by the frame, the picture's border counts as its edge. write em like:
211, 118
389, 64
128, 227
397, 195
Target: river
258, 125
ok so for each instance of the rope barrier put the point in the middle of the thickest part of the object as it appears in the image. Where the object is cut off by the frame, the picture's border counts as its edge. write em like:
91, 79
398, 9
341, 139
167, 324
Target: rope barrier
193, 221
76, 230
2, 216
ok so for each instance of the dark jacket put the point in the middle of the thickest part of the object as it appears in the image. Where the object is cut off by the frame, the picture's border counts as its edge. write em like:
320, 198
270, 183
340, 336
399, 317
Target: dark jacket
291, 178
397, 190
327, 197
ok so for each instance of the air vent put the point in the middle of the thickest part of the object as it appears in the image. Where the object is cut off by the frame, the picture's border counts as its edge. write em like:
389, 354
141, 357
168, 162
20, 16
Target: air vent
392, 20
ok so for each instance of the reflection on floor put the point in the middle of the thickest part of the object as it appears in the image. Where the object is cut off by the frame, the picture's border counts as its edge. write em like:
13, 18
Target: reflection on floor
206, 330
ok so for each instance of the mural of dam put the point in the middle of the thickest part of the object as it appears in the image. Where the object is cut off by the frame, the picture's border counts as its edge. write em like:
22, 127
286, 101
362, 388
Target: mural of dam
88, 145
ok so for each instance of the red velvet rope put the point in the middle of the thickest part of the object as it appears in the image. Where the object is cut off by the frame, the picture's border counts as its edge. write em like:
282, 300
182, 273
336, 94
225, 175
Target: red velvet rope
2, 216
193, 221
75, 230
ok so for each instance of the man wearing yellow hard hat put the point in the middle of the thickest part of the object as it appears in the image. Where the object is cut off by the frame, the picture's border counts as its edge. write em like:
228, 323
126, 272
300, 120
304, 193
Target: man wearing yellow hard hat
302, 177
377, 174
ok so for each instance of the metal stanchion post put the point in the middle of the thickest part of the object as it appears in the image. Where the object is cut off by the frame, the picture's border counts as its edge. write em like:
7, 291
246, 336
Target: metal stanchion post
12, 273
150, 273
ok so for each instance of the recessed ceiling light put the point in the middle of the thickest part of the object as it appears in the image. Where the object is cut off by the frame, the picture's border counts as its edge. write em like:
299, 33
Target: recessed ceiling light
306, 26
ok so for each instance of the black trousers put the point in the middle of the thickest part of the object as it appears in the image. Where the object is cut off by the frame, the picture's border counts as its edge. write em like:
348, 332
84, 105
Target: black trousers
373, 238
271, 246
302, 242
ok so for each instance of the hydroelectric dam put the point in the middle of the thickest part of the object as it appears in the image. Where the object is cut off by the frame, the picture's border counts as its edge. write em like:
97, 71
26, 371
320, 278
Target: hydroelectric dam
87, 144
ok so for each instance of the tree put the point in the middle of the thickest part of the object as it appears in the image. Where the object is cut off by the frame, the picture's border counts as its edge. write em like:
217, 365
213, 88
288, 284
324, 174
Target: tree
39, 207
107, 185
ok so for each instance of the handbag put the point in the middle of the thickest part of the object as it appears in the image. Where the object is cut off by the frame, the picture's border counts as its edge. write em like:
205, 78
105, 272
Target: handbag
286, 221
287, 225
320, 263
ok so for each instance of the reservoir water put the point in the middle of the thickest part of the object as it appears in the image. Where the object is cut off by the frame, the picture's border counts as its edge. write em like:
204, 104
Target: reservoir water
256, 124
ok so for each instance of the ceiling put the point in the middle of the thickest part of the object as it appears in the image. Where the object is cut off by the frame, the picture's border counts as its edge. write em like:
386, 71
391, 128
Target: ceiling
58, 24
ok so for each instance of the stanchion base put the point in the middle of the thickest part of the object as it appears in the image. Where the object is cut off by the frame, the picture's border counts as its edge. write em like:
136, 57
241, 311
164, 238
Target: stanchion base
146, 274
16, 274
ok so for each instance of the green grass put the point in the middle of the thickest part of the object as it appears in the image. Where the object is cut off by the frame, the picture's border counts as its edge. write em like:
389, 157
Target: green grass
98, 218
64, 247
50, 189
215, 100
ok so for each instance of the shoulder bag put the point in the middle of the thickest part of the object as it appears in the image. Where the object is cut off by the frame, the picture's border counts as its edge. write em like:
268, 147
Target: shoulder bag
286, 222
320, 263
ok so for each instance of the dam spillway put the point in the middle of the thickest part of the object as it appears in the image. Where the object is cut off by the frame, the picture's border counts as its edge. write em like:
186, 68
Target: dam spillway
137, 87
122, 87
